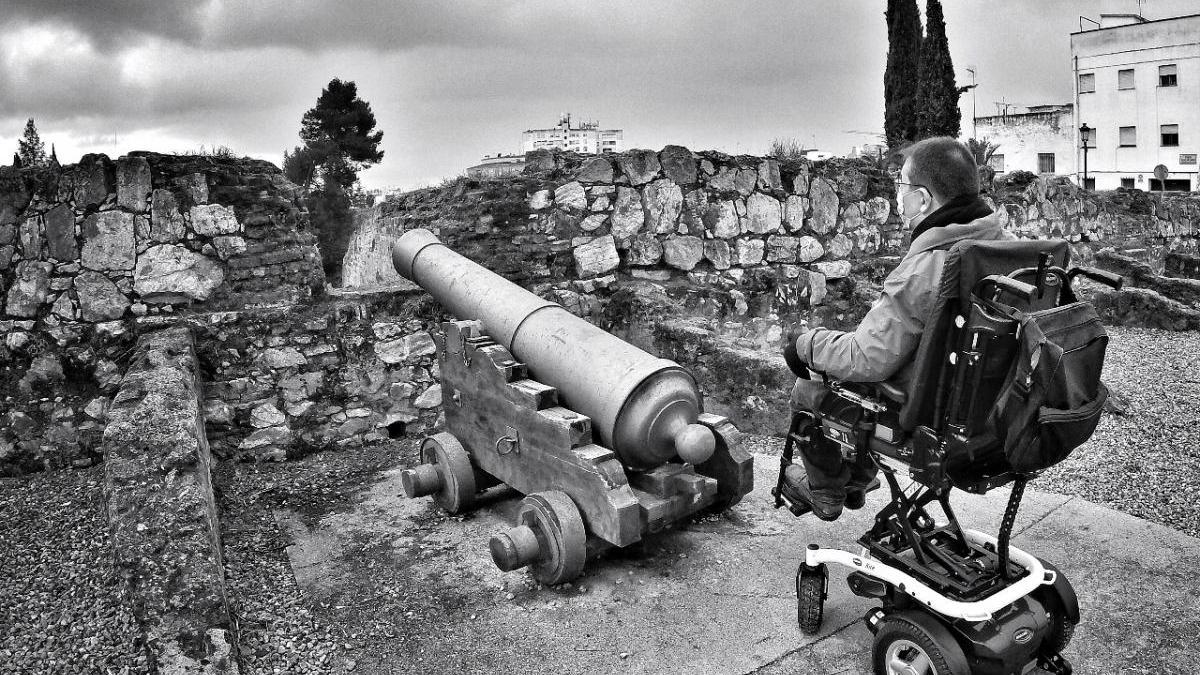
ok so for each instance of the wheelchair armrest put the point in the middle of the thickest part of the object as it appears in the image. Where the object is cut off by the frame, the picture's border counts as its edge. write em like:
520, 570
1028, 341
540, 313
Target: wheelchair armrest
890, 392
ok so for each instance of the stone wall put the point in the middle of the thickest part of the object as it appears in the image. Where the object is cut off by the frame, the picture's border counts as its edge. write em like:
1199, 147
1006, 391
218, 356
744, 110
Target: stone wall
165, 532
89, 252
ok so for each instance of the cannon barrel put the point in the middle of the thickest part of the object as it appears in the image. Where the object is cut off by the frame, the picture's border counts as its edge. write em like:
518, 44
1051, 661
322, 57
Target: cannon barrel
642, 407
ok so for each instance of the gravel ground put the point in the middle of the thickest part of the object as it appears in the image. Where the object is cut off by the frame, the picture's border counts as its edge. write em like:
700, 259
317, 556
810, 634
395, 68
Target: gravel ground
61, 609
281, 627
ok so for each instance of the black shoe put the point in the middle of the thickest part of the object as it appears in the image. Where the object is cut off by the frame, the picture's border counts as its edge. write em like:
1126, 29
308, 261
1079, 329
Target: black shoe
856, 498
795, 487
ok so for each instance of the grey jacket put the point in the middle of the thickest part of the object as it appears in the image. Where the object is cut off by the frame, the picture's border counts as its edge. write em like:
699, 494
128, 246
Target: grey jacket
883, 345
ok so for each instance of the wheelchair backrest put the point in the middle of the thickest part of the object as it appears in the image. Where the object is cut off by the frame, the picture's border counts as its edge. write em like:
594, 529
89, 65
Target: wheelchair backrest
967, 262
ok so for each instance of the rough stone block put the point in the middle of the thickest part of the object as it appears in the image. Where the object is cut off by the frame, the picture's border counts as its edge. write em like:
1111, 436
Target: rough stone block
169, 273
571, 197
644, 250
663, 202
717, 252
213, 219
30, 289
794, 212
595, 170
628, 216
722, 220
824, 206
639, 166
133, 183
763, 214
733, 179
108, 241
683, 252
749, 252
810, 249
836, 269
782, 249
678, 164
93, 180
840, 246
99, 298
60, 233
166, 222
162, 514
597, 257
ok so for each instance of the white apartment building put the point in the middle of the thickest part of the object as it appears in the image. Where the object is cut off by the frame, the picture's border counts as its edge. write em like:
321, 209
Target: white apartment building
586, 138
1137, 84
1039, 139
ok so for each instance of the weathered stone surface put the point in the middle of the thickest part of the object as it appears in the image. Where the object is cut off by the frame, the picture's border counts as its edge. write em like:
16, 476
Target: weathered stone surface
593, 222
93, 180
768, 175
195, 186
8, 233
683, 252
30, 289
163, 521
171, 273
717, 252
763, 214
602, 203
852, 185
749, 252
800, 184
406, 349
285, 357
166, 222
645, 249
539, 161
595, 170
678, 164
663, 202
213, 219
731, 179
133, 183
63, 307
782, 249
270, 437
228, 246
817, 289
878, 209
628, 216
794, 211
266, 415
540, 200
597, 257
840, 246
852, 219
834, 269
99, 298
571, 197
430, 398
810, 249
824, 206
108, 241
31, 238
639, 166
722, 220
60, 233
868, 240
6, 255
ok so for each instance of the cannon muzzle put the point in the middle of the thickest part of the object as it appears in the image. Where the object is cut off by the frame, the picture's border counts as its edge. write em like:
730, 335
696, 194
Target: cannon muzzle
642, 407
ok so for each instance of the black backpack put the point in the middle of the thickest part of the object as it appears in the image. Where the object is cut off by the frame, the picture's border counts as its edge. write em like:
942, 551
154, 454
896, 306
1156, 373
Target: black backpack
1051, 400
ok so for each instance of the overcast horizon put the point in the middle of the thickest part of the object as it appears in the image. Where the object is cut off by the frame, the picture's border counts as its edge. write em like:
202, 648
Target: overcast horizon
451, 82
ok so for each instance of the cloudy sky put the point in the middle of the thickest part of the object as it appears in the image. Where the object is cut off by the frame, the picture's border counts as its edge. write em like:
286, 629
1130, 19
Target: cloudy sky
450, 81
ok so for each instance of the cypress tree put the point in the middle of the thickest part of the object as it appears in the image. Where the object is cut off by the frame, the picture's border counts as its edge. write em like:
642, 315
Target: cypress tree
30, 147
937, 94
901, 77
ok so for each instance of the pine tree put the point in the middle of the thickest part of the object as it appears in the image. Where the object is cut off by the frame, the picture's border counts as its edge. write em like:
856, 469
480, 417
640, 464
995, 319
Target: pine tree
30, 147
901, 77
937, 93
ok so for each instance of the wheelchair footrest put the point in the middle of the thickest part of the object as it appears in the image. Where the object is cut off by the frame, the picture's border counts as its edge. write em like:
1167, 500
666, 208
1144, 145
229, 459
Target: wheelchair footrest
797, 508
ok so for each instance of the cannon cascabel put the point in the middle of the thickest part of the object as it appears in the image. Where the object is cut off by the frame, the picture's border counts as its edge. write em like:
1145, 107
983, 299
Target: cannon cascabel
642, 407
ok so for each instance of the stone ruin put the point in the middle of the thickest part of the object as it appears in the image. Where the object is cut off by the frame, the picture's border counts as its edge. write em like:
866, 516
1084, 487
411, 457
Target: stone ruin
179, 302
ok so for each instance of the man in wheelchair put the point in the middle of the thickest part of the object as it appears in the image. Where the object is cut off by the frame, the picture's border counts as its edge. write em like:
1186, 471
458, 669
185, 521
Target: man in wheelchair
937, 196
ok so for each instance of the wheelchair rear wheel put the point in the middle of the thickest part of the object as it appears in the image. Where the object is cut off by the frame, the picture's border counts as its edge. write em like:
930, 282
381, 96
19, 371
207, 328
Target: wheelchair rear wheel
905, 647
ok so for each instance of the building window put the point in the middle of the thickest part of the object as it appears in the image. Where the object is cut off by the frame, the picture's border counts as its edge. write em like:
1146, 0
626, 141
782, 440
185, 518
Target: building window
1128, 137
1087, 83
1170, 135
1127, 183
1168, 76
1125, 79
1172, 185
996, 162
1045, 162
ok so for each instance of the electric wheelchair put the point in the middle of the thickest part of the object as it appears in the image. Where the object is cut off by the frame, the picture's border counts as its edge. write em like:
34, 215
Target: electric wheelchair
954, 601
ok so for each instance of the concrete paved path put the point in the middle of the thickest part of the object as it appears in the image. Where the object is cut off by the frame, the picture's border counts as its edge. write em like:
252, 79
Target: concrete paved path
714, 597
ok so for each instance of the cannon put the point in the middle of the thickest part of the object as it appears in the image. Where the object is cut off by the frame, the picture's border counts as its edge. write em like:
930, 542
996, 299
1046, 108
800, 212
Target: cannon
607, 442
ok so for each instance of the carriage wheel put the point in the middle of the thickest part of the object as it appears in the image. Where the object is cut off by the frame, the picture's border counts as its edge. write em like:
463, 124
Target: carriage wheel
562, 539
457, 492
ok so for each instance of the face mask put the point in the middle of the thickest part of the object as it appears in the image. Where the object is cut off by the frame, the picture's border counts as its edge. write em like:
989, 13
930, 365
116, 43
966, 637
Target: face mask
900, 203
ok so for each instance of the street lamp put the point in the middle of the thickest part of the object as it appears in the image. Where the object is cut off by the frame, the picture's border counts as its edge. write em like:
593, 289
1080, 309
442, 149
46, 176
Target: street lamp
1085, 135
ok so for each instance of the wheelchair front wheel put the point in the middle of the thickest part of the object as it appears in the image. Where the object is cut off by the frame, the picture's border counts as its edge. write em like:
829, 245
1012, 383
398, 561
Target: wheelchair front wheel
811, 589
904, 647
